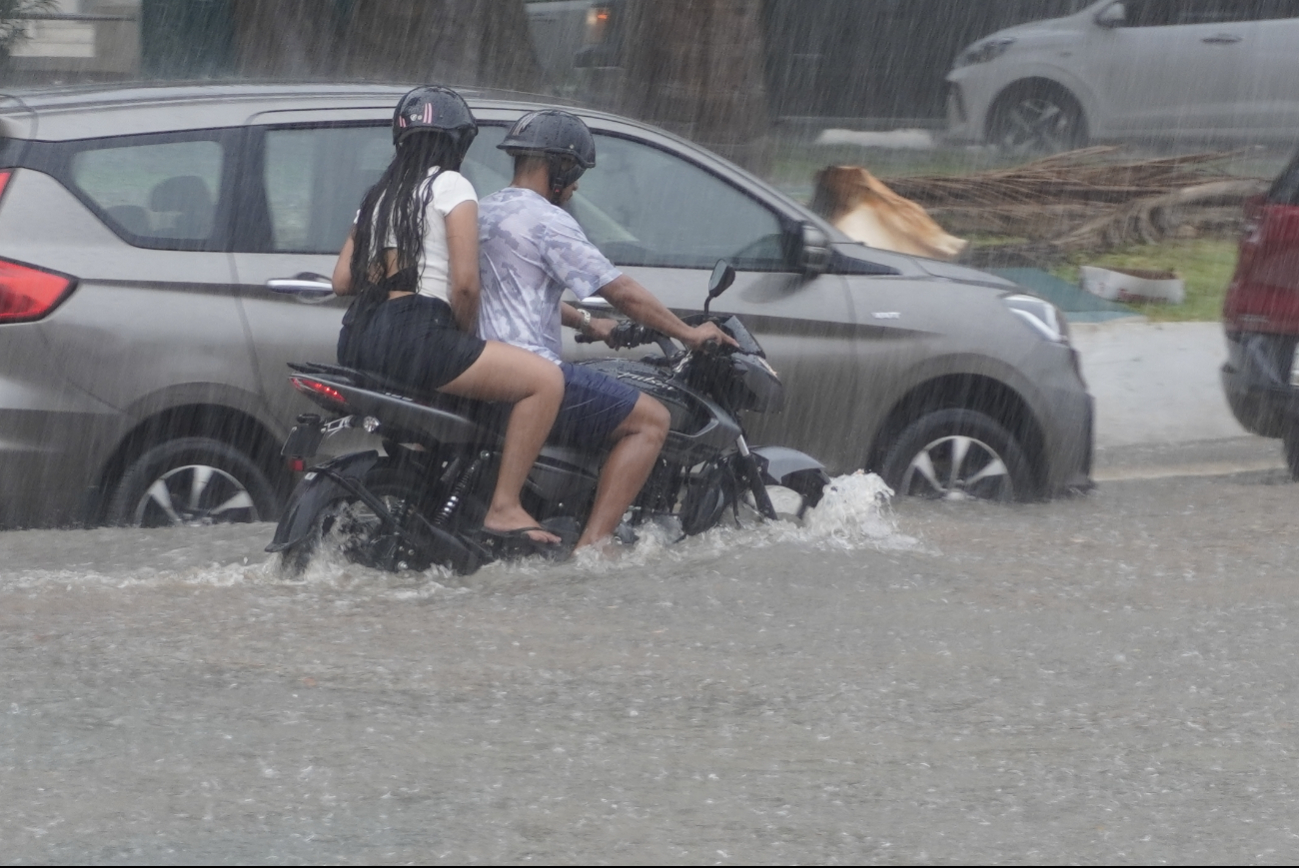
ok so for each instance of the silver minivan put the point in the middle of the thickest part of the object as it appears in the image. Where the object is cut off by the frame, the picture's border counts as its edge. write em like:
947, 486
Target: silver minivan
161, 253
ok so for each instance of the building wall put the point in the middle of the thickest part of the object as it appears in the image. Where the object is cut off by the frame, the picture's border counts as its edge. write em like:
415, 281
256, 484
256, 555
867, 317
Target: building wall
97, 40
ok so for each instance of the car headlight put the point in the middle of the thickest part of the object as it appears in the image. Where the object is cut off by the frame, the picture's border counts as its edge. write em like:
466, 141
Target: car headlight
1041, 316
982, 52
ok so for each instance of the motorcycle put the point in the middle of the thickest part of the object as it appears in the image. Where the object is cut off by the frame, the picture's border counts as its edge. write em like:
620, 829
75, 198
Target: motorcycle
419, 498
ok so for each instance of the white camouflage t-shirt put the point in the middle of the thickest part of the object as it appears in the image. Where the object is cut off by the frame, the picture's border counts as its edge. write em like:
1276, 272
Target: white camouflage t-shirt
529, 252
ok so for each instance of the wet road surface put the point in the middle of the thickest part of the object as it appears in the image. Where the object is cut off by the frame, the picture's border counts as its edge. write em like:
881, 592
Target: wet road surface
1107, 678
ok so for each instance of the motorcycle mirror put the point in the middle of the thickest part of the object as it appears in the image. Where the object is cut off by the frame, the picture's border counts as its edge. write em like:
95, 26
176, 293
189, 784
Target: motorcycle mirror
722, 277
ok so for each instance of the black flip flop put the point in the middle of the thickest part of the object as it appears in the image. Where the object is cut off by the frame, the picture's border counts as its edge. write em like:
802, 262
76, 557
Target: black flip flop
513, 544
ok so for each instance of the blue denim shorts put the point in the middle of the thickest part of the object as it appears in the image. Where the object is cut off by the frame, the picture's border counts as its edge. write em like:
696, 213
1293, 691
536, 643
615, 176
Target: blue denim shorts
594, 405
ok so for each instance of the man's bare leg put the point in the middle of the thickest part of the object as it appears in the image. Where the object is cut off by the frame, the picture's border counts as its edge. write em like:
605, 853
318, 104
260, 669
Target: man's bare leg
639, 439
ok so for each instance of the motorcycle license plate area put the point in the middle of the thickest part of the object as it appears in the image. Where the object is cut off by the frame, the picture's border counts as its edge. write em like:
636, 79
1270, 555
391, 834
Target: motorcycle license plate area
303, 442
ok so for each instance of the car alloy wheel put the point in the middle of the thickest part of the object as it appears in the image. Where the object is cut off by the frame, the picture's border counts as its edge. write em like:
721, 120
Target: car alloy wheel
195, 494
958, 455
958, 468
192, 481
1035, 123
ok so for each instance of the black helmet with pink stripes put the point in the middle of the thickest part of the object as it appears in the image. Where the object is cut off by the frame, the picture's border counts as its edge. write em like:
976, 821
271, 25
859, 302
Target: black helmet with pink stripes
434, 109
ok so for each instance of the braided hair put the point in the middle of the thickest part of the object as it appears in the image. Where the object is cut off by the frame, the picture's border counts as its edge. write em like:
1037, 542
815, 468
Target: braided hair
395, 206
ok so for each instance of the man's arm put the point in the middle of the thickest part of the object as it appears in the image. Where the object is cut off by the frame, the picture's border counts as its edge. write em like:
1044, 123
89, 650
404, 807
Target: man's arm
599, 329
640, 304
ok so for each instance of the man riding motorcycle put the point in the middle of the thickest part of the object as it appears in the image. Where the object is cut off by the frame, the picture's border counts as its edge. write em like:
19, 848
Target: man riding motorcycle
530, 251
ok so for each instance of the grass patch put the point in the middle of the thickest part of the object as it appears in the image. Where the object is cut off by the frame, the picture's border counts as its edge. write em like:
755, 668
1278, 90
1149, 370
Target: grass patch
1206, 264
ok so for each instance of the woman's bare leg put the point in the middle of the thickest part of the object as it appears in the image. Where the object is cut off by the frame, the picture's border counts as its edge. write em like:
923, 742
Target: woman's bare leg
535, 386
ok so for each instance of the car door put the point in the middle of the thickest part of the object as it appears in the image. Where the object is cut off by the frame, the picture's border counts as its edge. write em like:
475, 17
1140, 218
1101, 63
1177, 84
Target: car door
304, 179
1172, 65
665, 216
152, 322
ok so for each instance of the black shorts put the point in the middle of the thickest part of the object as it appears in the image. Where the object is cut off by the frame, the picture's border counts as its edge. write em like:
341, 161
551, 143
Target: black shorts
414, 340
594, 405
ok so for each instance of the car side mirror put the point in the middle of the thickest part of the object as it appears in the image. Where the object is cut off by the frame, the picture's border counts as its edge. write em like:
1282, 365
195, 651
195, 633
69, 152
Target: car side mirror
1113, 15
719, 281
812, 250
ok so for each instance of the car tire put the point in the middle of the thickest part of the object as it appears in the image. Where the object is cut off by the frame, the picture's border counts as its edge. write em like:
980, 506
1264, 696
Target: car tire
958, 455
1036, 120
1290, 446
192, 481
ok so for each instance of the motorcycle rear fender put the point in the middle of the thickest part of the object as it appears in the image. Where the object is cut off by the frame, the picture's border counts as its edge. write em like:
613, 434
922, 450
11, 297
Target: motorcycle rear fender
778, 463
314, 493
401, 416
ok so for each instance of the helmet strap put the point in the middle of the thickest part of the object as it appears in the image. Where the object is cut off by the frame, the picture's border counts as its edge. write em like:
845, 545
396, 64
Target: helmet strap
559, 177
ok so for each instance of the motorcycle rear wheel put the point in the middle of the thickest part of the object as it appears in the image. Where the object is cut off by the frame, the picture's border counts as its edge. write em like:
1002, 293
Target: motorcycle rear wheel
362, 538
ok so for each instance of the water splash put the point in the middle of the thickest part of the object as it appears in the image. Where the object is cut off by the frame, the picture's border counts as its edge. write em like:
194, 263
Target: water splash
854, 515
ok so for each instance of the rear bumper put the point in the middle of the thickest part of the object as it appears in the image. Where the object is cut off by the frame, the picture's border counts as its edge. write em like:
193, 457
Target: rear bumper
1256, 382
49, 466
54, 437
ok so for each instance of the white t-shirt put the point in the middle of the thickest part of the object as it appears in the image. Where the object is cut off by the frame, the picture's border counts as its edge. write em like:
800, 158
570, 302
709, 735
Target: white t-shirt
449, 190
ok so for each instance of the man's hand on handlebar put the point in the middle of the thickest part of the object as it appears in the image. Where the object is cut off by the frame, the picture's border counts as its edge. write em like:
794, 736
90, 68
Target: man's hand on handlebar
701, 336
601, 331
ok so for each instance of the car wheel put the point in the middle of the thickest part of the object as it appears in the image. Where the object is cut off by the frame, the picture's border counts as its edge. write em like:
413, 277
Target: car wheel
192, 481
958, 455
1037, 120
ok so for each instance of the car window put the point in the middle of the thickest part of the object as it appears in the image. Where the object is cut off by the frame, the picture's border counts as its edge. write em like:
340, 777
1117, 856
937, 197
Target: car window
315, 179
1164, 13
155, 193
488, 168
645, 206
1285, 190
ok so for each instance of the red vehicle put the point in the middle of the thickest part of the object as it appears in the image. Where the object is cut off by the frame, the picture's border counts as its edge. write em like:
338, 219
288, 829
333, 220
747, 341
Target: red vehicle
1261, 316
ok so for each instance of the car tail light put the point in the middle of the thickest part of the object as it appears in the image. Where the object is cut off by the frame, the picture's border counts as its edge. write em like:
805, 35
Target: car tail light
28, 294
319, 392
4, 179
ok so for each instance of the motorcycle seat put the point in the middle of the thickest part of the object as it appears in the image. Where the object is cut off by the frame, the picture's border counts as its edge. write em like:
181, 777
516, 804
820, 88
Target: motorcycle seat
485, 413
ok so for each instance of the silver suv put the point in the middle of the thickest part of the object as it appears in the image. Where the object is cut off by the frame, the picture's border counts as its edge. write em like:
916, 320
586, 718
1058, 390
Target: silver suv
160, 259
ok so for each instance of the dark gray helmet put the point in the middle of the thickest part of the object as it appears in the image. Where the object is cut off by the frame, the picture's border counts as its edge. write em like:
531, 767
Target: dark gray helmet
558, 135
436, 109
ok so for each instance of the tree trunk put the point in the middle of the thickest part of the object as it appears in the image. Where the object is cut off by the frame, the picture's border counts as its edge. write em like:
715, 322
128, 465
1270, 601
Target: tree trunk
695, 67
284, 38
475, 43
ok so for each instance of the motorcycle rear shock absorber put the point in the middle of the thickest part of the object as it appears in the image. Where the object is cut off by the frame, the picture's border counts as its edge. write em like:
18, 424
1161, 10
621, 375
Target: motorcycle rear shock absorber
468, 479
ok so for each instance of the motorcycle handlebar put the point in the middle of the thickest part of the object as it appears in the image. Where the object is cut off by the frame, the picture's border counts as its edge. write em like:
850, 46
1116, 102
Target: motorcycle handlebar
629, 335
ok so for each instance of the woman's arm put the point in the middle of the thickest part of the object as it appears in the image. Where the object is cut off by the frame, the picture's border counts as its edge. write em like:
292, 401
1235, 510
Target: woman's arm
342, 277
462, 265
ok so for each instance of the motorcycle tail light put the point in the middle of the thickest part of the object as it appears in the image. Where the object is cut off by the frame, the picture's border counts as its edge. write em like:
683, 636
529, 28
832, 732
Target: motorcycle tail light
318, 391
28, 294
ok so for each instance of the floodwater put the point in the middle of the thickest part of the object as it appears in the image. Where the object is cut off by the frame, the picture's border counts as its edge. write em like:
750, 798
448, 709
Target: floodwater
1107, 678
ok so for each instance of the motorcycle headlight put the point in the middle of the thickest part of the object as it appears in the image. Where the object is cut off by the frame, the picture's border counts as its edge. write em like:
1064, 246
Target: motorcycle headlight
1041, 316
982, 52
